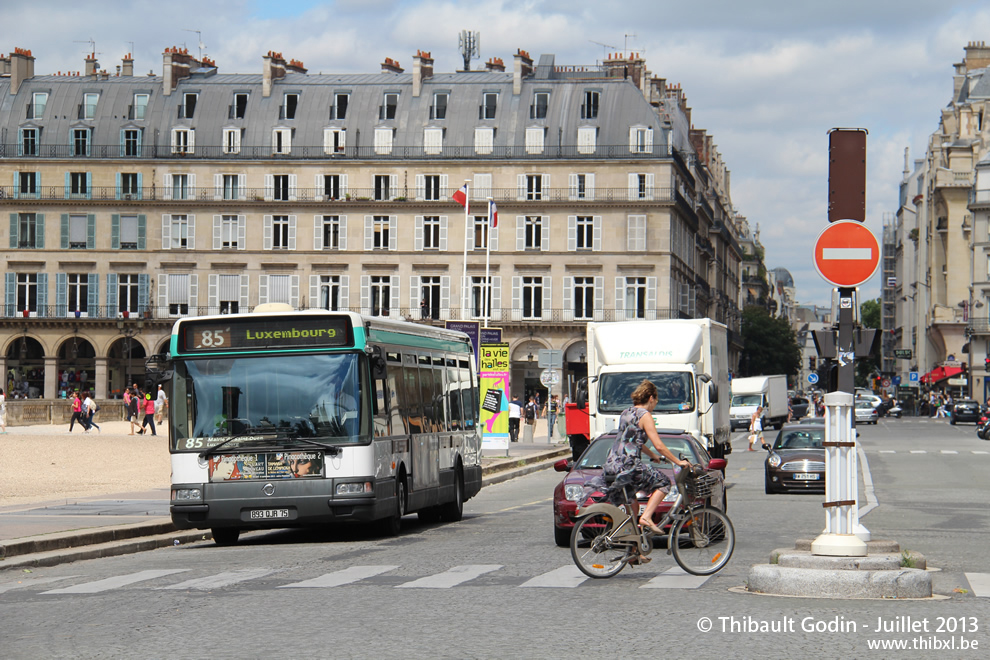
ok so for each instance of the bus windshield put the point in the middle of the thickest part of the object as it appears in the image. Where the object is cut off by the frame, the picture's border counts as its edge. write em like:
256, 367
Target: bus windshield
272, 399
673, 389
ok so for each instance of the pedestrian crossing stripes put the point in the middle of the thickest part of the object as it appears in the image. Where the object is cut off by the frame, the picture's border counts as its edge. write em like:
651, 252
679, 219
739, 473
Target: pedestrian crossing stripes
978, 452
980, 584
565, 577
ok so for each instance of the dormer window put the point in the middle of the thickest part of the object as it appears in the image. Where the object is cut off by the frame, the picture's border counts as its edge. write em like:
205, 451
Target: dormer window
489, 105
439, 108
239, 107
188, 107
290, 102
389, 105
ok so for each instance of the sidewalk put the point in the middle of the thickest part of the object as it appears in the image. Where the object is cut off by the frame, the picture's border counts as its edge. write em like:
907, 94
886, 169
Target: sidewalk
79, 496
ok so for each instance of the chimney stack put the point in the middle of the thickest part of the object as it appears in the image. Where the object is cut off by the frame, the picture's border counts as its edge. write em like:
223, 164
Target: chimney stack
523, 68
632, 67
495, 64
295, 66
977, 55
273, 68
391, 66
92, 66
422, 70
128, 66
175, 66
21, 68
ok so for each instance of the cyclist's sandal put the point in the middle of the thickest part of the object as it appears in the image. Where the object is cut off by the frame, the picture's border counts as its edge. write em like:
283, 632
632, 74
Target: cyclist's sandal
639, 560
648, 524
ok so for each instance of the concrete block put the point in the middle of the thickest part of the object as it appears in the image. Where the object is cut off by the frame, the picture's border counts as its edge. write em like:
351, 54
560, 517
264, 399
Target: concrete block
841, 584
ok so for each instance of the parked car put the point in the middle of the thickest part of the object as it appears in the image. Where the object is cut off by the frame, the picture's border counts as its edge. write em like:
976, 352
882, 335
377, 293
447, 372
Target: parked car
799, 407
866, 413
568, 492
966, 410
796, 460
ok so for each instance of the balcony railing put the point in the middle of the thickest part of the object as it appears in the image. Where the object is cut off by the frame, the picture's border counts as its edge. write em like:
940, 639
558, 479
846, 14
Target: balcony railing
351, 151
211, 194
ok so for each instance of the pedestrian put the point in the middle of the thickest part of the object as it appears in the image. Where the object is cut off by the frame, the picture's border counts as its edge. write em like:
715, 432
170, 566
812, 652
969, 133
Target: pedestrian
530, 413
149, 414
424, 310
756, 428
550, 410
161, 405
77, 414
90, 409
3, 411
131, 407
515, 410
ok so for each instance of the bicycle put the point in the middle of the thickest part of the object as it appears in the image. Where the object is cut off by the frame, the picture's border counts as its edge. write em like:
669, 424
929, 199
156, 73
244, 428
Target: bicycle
607, 538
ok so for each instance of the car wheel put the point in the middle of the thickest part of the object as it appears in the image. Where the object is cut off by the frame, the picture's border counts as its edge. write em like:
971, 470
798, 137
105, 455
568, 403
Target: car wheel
770, 490
561, 536
952, 421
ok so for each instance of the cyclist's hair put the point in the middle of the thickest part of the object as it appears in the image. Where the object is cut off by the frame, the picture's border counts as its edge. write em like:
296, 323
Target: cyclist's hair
643, 392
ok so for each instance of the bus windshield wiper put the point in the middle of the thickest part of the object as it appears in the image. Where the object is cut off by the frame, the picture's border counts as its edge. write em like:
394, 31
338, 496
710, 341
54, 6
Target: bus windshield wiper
333, 450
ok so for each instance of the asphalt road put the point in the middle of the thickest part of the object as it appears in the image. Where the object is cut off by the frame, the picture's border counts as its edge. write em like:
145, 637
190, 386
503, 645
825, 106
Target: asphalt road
495, 585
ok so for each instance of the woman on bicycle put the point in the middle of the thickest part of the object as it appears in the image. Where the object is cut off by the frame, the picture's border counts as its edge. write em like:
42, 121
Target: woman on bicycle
624, 460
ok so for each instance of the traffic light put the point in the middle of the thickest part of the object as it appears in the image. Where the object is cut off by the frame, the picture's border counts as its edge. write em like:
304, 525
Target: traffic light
986, 363
812, 361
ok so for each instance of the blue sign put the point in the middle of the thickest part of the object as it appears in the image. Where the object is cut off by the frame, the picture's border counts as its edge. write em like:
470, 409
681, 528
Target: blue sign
913, 376
812, 378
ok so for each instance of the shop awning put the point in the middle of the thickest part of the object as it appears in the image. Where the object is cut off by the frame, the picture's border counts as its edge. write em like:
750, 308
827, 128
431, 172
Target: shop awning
940, 373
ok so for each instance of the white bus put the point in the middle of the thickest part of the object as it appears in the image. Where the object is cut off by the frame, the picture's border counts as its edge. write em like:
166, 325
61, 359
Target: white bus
291, 419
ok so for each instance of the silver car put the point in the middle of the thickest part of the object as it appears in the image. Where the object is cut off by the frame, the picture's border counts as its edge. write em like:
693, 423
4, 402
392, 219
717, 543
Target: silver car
866, 413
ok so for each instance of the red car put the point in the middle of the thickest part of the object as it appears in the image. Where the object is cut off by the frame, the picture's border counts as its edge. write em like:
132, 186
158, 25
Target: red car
568, 491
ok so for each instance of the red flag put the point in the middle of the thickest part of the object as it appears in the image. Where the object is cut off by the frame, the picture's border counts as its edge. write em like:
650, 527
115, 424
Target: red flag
460, 196
492, 214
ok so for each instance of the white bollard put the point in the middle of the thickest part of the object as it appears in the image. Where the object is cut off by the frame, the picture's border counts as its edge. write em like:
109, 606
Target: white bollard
840, 538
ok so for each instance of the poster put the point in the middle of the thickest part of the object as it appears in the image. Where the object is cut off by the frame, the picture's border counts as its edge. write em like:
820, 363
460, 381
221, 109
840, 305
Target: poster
493, 376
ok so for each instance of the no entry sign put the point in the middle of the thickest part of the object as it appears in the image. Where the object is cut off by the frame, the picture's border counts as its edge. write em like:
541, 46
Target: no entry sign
847, 254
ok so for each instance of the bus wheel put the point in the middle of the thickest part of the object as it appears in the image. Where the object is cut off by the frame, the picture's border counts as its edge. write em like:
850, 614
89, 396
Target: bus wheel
453, 511
392, 525
225, 535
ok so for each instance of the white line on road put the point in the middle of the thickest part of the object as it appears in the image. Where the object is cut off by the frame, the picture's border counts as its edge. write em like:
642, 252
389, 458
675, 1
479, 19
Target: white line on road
676, 578
566, 577
981, 452
345, 576
949, 451
980, 583
918, 451
451, 577
886, 451
32, 582
222, 579
114, 582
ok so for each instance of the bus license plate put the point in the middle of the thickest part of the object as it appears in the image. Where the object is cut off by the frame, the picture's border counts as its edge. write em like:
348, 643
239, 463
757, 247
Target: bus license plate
806, 476
265, 514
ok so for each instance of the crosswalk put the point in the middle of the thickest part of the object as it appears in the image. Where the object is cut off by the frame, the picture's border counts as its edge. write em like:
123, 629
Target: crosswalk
565, 577
976, 452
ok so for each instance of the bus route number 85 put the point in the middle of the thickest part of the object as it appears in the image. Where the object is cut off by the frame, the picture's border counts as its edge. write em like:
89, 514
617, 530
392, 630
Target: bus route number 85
211, 339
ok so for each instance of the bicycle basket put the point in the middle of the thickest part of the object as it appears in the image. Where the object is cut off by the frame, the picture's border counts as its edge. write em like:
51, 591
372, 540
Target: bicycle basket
702, 486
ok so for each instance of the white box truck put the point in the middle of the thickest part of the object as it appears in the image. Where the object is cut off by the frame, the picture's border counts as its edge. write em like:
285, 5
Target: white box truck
686, 359
767, 391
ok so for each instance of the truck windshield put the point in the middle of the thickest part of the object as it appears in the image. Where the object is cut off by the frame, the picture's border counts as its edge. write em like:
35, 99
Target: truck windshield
676, 395
274, 400
747, 400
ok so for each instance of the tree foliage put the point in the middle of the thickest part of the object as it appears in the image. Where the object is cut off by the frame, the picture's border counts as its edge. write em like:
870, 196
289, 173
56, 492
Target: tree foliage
769, 345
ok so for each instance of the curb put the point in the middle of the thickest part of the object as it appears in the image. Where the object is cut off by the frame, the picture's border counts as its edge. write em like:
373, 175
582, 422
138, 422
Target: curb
65, 547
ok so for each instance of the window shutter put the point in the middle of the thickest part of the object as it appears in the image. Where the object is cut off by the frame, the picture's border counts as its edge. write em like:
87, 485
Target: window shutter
319, 186
64, 231
163, 291
520, 233
267, 233
516, 311
632, 139
520, 187
572, 186
42, 294
545, 233
415, 295
90, 231
166, 231
115, 231
192, 140
142, 232
61, 294
620, 299
496, 298
469, 227
393, 234
212, 299
465, 297
293, 187
194, 294
633, 186
314, 292
572, 233
342, 222
444, 186
269, 187
369, 239
245, 291
597, 233
650, 178
493, 238
317, 232
568, 300
649, 140
93, 295
420, 187
10, 291
116, 183
393, 186
294, 291
443, 233
242, 232
417, 233
68, 185
262, 289
217, 233
217, 187
547, 298
393, 287
111, 295
651, 297
39, 222
292, 232
191, 232
343, 186
444, 297
13, 233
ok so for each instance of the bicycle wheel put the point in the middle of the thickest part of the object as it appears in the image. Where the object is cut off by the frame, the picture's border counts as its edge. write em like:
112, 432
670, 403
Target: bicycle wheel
703, 541
593, 551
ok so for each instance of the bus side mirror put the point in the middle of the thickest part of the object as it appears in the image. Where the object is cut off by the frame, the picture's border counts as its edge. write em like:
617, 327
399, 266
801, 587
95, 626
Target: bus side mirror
581, 394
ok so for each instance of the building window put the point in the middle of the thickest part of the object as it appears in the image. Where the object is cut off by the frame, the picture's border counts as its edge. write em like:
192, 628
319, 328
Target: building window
280, 289
431, 232
585, 235
132, 142
228, 293
78, 225
429, 297
541, 101
232, 140
587, 139
80, 142
383, 187
582, 186
183, 140
239, 108
334, 186
389, 103
229, 231
231, 186
334, 141
331, 232
88, 109
27, 292
584, 297
281, 188
79, 184
339, 109
178, 228
635, 298
130, 187
280, 232
282, 141
38, 103
290, 102
636, 234
640, 140
180, 186
330, 293
28, 184
128, 293
480, 232
489, 105
140, 107
533, 232
29, 230
188, 108
129, 232
432, 187
641, 186
534, 139
534, 187
439, 108
433, 141
589, 109
480, 295
29, 142
381, 294
178, 294
78, 293
380, 232
383, 141
484, 140
532, 297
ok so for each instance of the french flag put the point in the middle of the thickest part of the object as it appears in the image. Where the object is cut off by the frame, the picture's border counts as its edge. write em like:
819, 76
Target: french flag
492, 214
460, 196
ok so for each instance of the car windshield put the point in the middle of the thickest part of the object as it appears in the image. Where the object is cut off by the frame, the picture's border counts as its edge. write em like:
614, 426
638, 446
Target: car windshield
803, 438
740, 400
596, 454
272, 400
674, 391
867, 405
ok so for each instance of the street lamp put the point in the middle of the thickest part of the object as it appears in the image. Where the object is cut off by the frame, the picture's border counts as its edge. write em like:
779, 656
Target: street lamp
129, 331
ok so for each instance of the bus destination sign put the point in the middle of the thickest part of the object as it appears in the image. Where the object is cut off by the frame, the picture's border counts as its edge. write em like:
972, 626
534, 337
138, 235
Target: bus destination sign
253, 334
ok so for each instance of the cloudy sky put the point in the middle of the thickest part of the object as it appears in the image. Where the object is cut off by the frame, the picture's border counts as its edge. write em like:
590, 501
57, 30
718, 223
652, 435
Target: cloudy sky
767, 78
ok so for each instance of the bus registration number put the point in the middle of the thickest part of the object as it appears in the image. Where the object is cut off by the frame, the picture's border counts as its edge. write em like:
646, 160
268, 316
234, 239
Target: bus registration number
265, 514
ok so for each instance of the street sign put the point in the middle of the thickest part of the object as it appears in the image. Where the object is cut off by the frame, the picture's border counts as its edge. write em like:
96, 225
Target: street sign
549, 377
903, 353
846, 254
913, 376
812, 378
886, 382
550, 359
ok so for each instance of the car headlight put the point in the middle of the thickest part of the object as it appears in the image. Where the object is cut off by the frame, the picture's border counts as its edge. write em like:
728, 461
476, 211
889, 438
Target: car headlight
773, 461
672, 495
185, 494
573, 492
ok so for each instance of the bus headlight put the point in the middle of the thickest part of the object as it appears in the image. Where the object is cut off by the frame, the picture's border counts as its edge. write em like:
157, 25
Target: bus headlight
355, 488
186, 494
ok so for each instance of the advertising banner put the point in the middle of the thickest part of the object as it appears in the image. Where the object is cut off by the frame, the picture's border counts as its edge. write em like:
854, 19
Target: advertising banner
493, 377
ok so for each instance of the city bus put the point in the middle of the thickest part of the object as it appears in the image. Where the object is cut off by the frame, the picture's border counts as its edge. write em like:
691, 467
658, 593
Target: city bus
282, 418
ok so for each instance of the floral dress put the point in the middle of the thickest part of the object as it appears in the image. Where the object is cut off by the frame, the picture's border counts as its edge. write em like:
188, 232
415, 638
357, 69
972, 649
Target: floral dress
625, 460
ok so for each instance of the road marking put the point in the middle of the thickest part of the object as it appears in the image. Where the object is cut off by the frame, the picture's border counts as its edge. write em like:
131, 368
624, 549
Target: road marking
676, 578
114, 582
32, 582
566, 577
345, 576
918, 451
981, 452
887, 451
949, 451
979, 583
451, 577
222, 579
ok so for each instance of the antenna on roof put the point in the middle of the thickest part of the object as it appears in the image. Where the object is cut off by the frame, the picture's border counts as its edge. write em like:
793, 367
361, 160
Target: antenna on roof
604, 46
199, 38
469, 43
92, 45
